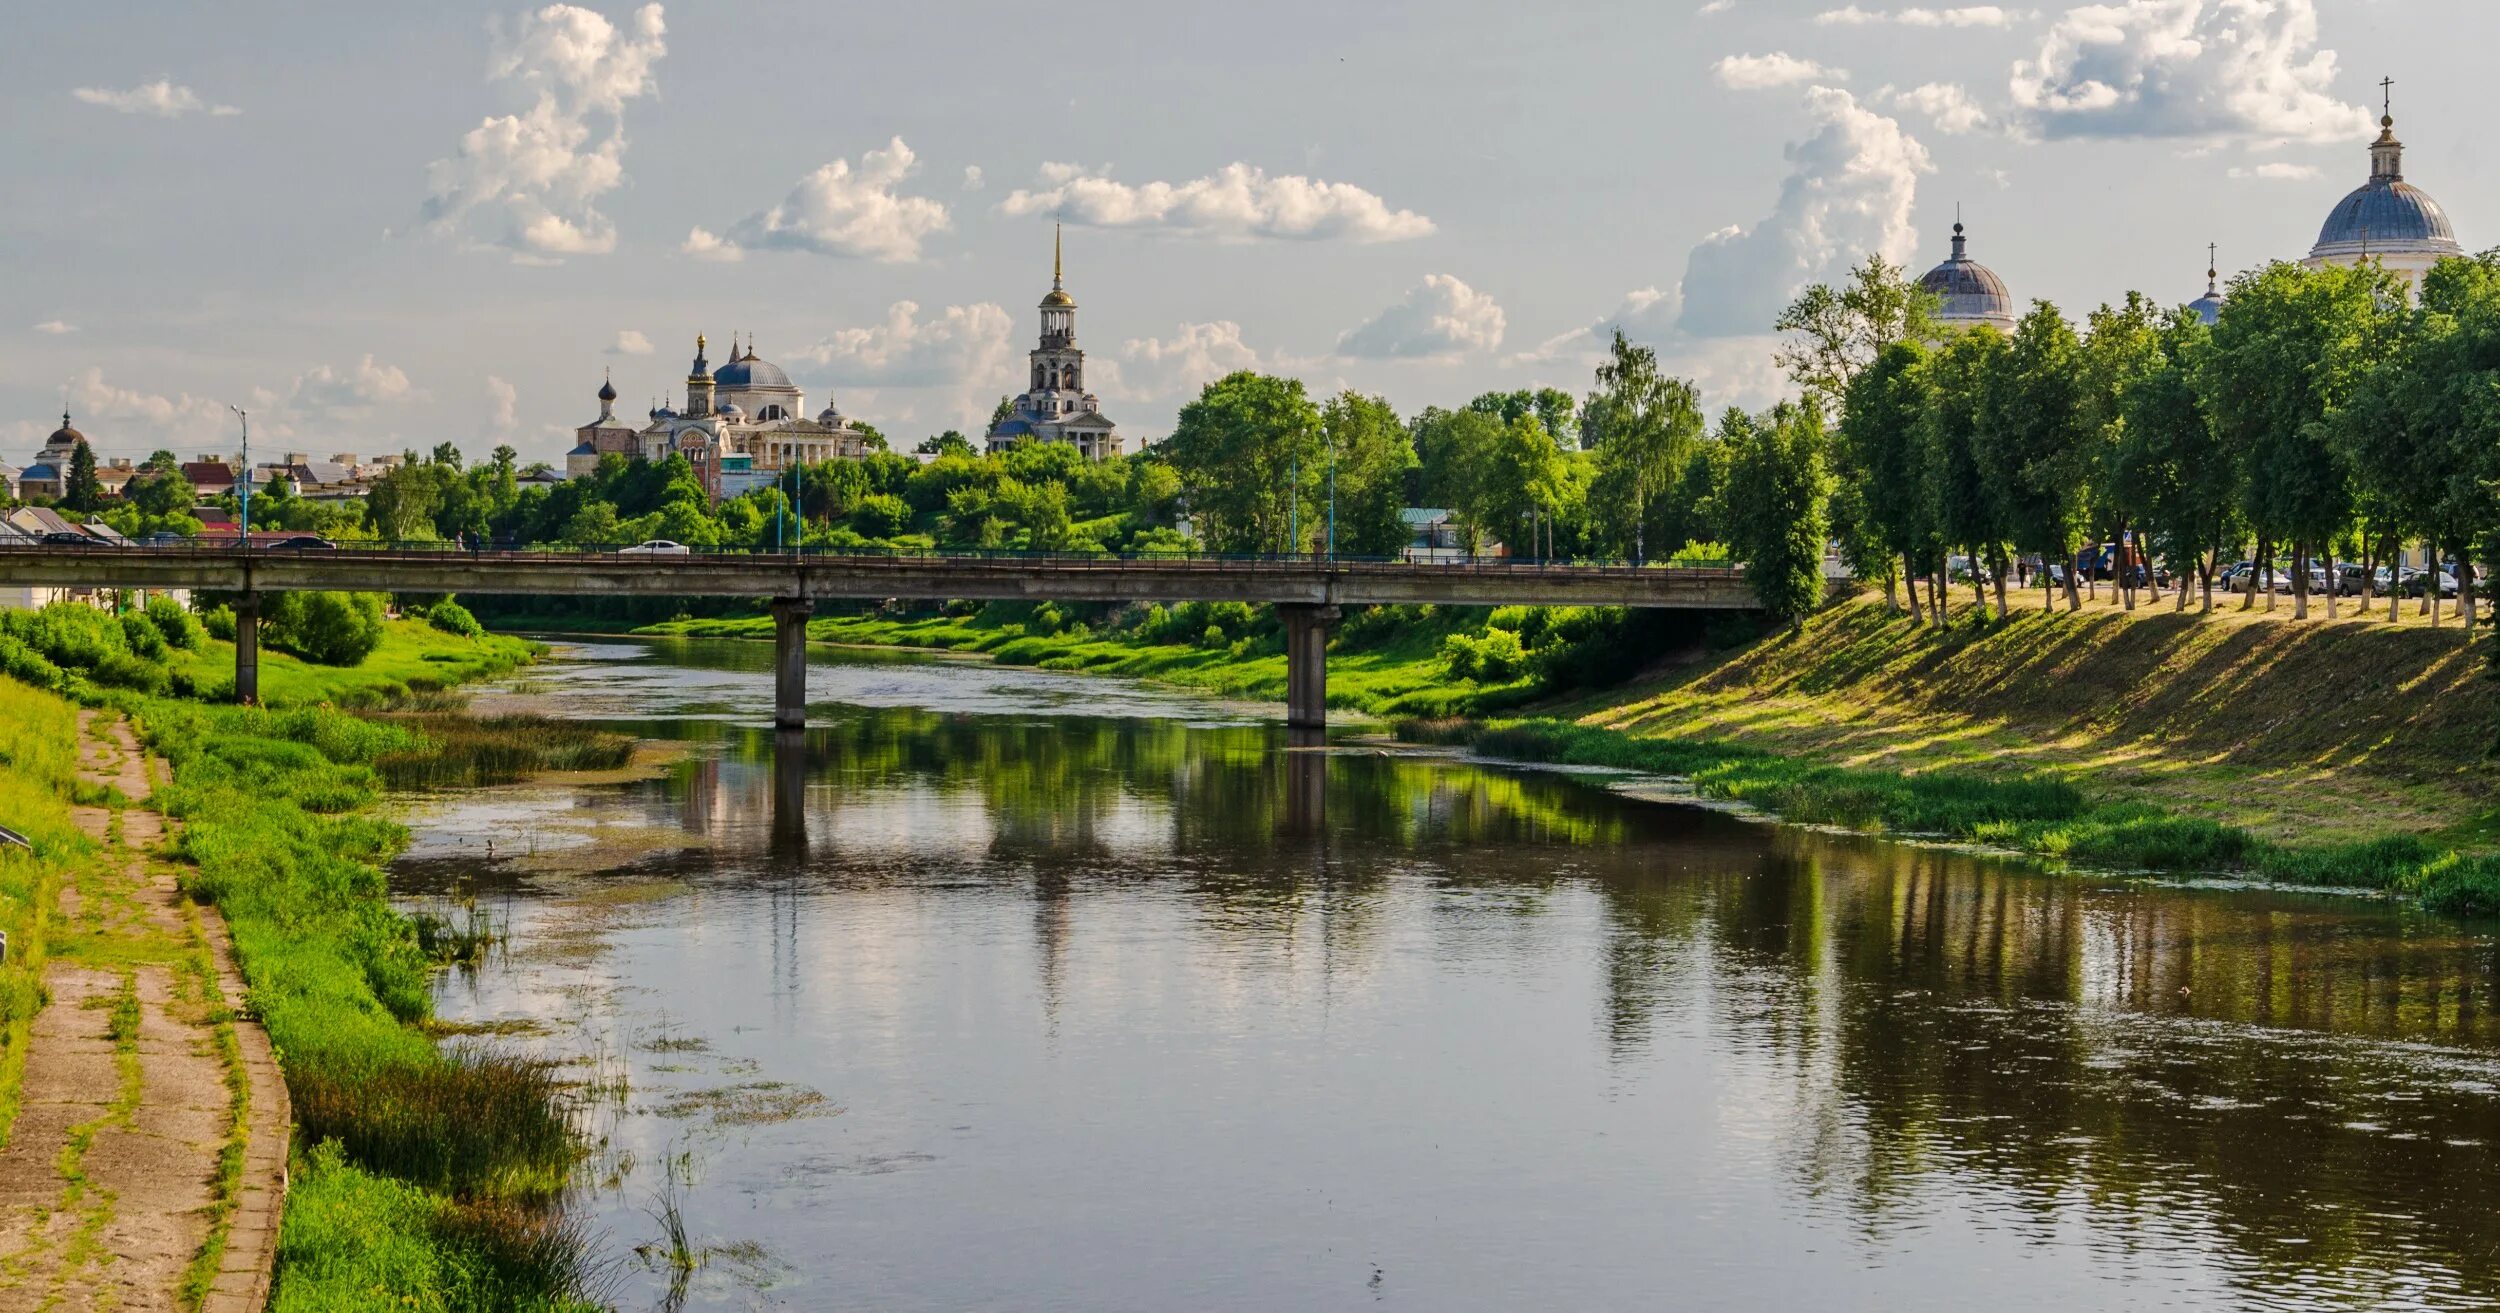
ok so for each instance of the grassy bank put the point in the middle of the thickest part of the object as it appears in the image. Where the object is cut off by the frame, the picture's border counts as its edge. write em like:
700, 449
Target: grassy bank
1383, 661
425, 1177
39, 746
2349, 753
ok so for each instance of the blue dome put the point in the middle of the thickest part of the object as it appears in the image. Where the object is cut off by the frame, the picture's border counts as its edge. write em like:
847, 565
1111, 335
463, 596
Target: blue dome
2386, 212
749, 372
2208, 308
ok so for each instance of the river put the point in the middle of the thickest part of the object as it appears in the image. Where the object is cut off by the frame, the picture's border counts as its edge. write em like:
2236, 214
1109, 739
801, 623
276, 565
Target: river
1018, 990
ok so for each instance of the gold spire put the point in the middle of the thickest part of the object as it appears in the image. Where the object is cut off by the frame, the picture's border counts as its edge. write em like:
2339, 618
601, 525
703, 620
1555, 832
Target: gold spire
1054, 255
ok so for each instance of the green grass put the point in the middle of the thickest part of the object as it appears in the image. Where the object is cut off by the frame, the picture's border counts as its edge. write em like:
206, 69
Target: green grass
415, 658
2038, 815
38, 784
460, 751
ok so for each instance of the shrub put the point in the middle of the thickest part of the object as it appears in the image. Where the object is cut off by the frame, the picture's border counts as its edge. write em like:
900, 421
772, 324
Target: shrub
331, 629
218, 623
1494, 658
453, 618
175, 622
142, 636
881, 515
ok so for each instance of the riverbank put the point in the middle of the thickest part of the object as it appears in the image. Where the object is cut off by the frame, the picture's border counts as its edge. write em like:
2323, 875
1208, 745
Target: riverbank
2351, 752
423, 1176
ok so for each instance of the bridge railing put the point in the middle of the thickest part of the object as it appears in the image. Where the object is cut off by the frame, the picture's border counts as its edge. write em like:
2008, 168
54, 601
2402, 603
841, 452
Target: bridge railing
433, 549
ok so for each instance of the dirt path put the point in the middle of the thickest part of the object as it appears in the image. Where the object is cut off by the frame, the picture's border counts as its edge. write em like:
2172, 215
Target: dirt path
115, 1190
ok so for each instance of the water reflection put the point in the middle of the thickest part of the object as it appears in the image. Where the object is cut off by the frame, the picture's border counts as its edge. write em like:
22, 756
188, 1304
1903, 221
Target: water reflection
1158, 1009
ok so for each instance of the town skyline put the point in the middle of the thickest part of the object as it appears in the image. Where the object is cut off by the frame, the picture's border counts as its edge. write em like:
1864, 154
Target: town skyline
565, 190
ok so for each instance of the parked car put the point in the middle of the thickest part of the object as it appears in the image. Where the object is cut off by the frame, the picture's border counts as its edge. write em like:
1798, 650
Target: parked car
72, 538
304, 543
2418, 581
655, 547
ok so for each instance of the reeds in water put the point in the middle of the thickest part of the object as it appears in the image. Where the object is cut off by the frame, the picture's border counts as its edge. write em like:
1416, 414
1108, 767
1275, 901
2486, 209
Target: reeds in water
461, 751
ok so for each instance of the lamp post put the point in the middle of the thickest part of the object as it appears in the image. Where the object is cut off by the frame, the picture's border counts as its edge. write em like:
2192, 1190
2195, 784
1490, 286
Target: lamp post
243, 484
1293, 508
1332, 501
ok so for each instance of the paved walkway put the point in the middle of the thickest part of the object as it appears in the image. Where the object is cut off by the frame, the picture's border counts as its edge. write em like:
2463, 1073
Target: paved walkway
111, 1193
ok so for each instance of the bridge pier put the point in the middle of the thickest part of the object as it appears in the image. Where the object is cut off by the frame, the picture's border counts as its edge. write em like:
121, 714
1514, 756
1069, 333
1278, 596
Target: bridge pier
790, 661
1307, 627
247, 649
789, 834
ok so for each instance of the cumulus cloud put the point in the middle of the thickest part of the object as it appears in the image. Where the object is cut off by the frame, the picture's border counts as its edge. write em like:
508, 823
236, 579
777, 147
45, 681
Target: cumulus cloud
503, 407
972, 177
2244, 70
1151, 368
839, 211
55, 327
1849, 192
341, 393
1646, 314
1947, 106
1965, 16
1440, 317
530, 183
1777, 69
162, 99
181, 418
962, 345
1239, 202
2279, 171
629, 342
323, 400
1715, 7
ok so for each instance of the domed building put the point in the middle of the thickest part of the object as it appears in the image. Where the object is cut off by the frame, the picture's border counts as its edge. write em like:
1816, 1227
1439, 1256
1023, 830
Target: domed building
2209, 306
2386, 218
740, 428
1969, 294
48, 474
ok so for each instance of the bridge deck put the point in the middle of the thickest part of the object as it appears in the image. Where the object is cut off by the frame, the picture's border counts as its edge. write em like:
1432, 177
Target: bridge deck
1287, 580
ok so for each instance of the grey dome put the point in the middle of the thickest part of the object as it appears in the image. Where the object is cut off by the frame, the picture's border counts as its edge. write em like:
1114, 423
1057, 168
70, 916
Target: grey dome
2386, 212
1968, 291
2208, 308
749, 372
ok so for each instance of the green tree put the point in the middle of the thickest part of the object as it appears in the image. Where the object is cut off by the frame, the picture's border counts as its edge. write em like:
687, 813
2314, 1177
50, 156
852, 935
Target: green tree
1248, 451
331, 629
2180, 480
949, 443
1880, 462
1969, 502
82, 491
2034, 443
2291, 346
2121, 346
1643, 426
160, 491
1835, 332
1777, 489
1370, 451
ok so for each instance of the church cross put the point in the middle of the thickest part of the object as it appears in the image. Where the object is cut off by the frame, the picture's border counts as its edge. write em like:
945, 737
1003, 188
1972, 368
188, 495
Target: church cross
2387, 95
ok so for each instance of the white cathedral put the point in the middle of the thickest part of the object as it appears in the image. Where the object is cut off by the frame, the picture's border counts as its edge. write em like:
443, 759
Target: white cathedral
2385, 219
739, 428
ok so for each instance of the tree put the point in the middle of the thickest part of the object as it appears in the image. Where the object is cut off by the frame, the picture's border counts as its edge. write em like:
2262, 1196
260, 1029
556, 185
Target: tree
331, 629
1643, 426
1507, 480
949, 443
2291, 346
1882, 463
82, 491
1552, 407
1969, 501
1371, 452
160, 491
1834, 333
2033, 440
1003, 411
2122, 346
1777, 488
2182, 483
1248, 451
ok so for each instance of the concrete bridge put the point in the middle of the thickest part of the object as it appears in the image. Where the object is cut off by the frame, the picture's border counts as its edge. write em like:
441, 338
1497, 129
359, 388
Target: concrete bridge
1307, 591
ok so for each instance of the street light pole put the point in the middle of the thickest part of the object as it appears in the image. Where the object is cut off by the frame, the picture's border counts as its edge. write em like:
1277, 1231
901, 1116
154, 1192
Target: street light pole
1332, 502
1293, 508
243, 485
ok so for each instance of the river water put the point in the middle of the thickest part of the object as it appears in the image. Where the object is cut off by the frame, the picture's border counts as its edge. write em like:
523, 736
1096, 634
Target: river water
1014, 990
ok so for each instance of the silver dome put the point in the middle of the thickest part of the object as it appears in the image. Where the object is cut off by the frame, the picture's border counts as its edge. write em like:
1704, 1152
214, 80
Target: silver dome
1967, 291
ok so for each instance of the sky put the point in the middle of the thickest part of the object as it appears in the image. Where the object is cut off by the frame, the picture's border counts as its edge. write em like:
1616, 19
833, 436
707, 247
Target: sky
385, 227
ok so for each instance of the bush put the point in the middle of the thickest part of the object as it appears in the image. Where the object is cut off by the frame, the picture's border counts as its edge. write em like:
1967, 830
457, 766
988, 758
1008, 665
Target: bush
1494, 658
142, 636
453, 618
330, 629
175, 622
218, 623
881, 515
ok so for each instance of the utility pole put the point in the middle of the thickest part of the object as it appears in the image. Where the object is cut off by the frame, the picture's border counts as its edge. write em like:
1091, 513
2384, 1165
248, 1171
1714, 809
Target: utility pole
1332, 501
243, 477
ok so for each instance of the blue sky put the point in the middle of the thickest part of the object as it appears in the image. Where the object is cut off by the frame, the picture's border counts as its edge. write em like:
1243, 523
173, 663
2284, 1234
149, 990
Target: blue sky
385, 227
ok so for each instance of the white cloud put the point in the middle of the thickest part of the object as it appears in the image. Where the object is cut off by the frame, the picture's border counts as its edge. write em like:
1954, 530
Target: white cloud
161, 98
2278, 171
839, 211
972, 177
530, 182
1646, 314
1239, 202
629, 342
503, 401
1195, 355
55, 327
331, 392
962, 346
181, 418
1849, 192
2245, 70
1777, 69
1713, 8
1965, 16
1946, 105
1441, 317
319, 402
